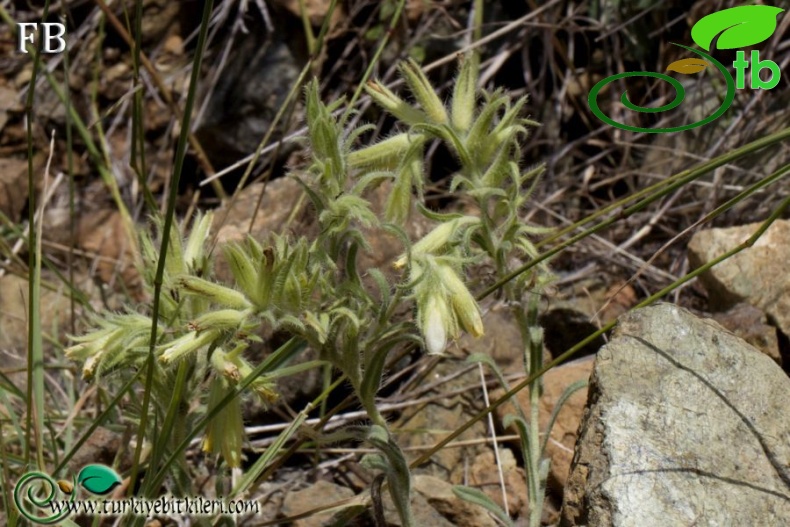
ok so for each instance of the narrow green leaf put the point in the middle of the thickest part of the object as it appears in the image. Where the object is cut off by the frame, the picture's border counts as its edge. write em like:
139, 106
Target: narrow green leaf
480, 498
372, 375
399, 200
569, 391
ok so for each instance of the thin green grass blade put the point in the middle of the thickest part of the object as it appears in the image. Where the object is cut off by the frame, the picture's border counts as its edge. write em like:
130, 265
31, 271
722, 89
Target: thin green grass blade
166, 228
35, 352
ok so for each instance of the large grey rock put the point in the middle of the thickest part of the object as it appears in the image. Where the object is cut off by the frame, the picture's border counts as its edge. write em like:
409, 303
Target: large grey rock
686, 424
757, 275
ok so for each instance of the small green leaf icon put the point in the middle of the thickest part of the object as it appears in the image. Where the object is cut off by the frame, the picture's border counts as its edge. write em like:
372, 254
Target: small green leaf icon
98, 479
688, 66
738, 27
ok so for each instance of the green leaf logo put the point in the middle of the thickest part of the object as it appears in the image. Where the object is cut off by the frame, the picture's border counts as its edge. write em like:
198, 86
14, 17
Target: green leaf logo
738, 27
98, 479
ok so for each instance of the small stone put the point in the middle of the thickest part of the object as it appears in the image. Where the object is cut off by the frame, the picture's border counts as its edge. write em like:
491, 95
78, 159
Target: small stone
749, 323
757, 275
312, 497
440, 496
174, 44
484, 475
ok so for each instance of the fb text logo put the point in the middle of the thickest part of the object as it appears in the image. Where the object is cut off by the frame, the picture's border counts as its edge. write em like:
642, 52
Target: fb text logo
732, 28
51, 36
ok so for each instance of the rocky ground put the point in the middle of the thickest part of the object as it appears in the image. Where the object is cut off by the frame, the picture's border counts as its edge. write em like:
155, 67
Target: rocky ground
684, 419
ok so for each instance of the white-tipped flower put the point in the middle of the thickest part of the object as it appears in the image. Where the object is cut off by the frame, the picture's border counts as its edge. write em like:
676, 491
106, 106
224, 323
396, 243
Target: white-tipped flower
433, 321
94, 347
91, 344
444, 303
114, 339
89, 367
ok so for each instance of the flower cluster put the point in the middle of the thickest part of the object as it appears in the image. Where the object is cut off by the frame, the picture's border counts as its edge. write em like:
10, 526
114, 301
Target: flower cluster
444, 302
312, 289
485, 140
201, 323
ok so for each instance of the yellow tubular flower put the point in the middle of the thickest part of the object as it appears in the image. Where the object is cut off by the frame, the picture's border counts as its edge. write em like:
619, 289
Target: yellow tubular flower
464, 304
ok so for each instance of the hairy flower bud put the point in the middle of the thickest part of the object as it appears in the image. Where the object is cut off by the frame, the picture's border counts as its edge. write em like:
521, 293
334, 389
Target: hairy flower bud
437, 238
186, 344
399, 108
195, 251
225, 432
214, 292
222, 319
424, 92
384, 154
463, 107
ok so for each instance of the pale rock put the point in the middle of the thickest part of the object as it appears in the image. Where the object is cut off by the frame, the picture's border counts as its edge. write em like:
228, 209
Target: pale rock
686, 425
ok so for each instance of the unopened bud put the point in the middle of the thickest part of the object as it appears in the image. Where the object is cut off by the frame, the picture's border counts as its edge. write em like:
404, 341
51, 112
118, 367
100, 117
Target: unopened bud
424, 92
399, 108
186, 344
437, 238
384, 154
463, 107
195, 251
216, 293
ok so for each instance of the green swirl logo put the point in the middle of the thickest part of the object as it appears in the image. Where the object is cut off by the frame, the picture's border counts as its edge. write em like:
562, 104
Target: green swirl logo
36, 492
731, 28
39, 491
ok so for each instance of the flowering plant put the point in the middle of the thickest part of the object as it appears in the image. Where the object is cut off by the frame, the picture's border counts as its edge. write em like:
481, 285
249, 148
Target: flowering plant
312, 289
